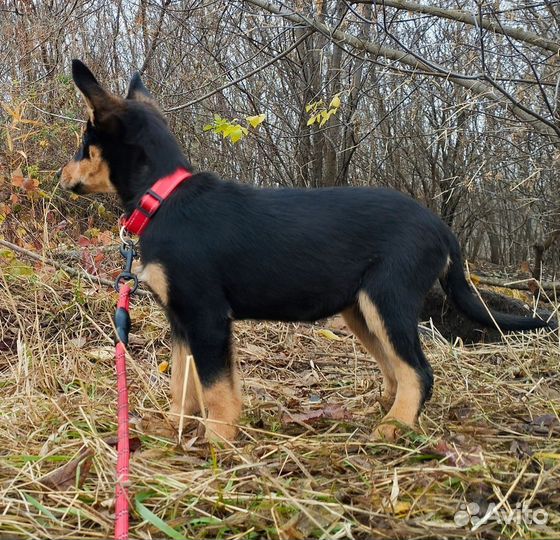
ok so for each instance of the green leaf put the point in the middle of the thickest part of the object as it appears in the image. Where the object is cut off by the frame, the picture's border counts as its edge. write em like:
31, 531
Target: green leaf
39, 506
208, 127
311, 121
156, 521
17, 268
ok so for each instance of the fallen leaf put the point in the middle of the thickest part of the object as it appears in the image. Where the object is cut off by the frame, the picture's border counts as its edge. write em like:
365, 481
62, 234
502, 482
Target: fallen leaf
520, 449
17, 178
456, 456
461, 413
84, 241
105, 238
79, 342
331, 411
102, 353
30, 184
74, 473
134, 443
545, 425
328, 334
163, 367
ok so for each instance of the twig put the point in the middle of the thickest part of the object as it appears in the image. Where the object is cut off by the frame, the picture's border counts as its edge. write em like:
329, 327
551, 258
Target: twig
69, 270
246, 76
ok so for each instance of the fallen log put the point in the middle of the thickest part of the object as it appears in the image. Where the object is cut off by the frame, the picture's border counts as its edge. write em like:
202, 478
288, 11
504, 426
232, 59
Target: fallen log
528, 284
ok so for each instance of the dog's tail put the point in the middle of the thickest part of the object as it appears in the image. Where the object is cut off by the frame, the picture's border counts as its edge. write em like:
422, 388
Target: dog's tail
457, 288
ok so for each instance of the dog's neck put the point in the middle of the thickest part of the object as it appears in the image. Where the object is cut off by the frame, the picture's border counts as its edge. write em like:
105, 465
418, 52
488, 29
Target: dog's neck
139, 182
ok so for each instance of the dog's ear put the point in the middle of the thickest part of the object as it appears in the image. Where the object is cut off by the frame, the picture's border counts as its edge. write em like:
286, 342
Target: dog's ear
138, 92
101, 104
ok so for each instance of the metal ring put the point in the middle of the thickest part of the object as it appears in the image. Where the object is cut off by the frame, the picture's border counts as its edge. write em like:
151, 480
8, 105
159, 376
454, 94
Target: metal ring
125, 237
126, 276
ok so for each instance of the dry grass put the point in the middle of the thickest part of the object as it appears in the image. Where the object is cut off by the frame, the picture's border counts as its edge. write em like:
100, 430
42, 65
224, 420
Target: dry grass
477, 442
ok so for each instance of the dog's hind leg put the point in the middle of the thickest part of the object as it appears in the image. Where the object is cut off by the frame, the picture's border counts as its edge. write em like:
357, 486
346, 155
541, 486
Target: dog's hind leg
392, 319
357, 324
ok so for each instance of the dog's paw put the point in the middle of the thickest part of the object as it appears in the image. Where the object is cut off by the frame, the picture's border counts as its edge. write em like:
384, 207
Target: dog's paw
218, 432
390, 429
387, 432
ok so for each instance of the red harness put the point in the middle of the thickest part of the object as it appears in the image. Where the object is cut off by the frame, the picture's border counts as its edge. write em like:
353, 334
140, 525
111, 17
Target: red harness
151, 200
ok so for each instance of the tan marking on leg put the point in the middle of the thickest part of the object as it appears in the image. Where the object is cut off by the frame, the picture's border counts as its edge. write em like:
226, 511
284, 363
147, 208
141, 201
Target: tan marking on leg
356, 323
223, 400
154, 275
187, 403
91, 174
408, 399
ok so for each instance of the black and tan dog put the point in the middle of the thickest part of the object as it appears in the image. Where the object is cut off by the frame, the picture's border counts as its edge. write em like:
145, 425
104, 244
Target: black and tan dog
218, 251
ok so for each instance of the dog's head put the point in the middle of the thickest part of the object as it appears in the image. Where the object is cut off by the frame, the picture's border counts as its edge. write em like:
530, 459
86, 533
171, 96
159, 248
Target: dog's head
126, 144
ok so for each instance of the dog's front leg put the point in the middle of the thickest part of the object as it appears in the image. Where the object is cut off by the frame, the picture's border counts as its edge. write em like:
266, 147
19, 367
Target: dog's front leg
185, 399
217, 388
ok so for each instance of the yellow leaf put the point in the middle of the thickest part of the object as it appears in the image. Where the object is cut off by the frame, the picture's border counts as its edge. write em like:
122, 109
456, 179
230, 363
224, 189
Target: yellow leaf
17, 268
335, 102
547, 455
399, 508
311, 121
325, 115
327, 334
256, 121
163, 366
7, 254
236, 133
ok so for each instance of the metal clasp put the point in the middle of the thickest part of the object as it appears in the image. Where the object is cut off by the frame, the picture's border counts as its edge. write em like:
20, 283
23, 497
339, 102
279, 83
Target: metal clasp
129, 252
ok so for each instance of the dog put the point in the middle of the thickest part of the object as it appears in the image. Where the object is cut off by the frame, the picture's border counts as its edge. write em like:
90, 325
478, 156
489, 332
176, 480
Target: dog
217, 251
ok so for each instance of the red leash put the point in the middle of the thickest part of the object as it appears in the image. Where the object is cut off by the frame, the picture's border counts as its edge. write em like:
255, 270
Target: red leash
122, 325
136, 223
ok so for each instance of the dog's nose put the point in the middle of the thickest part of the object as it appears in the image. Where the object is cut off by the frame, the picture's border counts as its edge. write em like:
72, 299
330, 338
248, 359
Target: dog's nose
57, 174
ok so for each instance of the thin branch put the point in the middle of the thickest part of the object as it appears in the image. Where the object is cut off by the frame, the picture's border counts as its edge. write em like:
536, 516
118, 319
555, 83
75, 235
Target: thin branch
467, 18
246, 76
475, 85
69, 270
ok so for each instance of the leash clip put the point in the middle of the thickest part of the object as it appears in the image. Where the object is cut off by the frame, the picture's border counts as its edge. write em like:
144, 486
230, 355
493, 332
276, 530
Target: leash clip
129, 252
